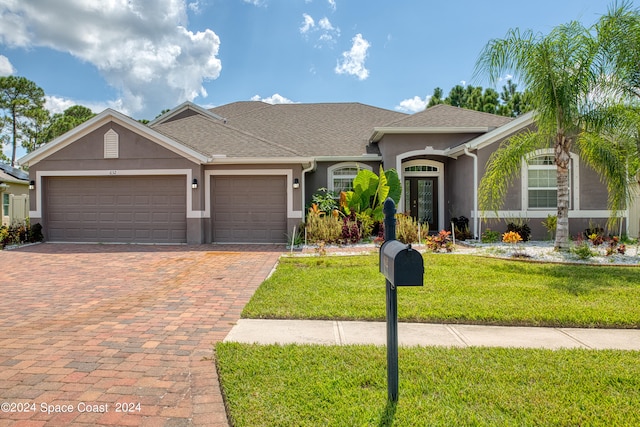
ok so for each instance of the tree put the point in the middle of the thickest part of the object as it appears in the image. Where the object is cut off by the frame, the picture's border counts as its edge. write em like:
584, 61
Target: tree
487, 100
22, 101
570, 80
65, 121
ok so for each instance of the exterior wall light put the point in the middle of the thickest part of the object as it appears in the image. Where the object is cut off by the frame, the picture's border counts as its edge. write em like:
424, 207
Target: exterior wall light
32, 185
296, 183
194, 183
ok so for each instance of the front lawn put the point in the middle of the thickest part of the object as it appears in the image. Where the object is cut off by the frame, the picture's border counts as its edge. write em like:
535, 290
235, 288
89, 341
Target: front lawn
458, 289
346, 386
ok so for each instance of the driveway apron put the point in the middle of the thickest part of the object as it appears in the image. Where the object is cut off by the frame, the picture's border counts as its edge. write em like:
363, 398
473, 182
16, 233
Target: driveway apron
119, 334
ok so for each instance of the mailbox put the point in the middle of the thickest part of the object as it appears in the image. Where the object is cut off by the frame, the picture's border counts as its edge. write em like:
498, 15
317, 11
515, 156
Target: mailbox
401, 264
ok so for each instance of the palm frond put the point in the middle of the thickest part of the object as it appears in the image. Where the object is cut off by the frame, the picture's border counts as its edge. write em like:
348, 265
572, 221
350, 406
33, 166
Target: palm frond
504, 165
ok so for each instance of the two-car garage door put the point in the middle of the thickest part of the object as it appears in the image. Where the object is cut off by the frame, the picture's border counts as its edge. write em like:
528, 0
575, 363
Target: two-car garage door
122, 209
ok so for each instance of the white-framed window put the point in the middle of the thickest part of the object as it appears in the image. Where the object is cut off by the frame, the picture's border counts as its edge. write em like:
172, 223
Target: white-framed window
540, 180
5, 204
340, 176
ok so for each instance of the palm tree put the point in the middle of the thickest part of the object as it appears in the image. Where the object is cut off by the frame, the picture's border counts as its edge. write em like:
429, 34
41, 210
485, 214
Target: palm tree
567, 74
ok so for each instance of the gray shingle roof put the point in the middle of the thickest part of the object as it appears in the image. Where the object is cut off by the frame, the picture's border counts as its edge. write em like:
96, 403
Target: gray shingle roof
325, 129
442, 115
212, 137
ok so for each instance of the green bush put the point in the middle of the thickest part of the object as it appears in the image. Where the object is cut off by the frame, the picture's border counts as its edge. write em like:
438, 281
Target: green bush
583, 251
17, 234
490, 236
323, 228
407, 230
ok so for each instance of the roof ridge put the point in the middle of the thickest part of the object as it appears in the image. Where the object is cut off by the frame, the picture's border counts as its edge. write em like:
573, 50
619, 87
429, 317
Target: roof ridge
266, 141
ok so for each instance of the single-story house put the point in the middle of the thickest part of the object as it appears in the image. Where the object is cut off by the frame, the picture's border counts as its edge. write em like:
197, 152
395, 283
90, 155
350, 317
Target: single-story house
245, 171
14, 194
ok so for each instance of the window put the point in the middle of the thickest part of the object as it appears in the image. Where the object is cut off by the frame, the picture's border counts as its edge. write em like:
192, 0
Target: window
542, 189
5, 204
421, 168
341, 175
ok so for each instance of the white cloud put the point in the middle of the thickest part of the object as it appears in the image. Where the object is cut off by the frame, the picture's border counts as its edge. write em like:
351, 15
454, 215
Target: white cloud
256, 2
308, 23
142, 48
6, 69
332, 4
353, 61
328, 34
413, 105
276, 98
195, 7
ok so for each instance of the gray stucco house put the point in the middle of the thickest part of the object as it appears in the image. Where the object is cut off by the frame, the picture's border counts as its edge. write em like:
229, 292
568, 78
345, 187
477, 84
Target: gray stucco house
243, 172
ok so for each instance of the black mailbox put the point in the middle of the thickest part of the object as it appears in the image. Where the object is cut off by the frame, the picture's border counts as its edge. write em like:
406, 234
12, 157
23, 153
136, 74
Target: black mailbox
401, 264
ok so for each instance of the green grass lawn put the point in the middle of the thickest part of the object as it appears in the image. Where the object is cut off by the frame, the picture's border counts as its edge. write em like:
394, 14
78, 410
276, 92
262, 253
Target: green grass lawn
346, 386
458, 289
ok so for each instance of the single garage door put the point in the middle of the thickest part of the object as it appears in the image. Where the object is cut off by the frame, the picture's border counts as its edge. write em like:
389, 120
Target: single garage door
118, 209
249, 209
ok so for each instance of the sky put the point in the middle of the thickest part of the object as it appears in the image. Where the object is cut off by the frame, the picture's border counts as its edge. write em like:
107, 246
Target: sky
143, 56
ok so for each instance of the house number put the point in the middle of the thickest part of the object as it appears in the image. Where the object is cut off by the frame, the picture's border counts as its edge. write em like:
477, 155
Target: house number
113, 172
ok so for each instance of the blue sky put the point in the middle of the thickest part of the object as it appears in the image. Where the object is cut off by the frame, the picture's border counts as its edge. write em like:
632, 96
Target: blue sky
143, 56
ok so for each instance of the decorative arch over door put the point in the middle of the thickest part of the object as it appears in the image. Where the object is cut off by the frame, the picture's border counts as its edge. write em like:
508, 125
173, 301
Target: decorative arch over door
423, 191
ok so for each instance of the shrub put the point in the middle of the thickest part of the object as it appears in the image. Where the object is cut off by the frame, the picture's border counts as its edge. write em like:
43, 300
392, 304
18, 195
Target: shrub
366, 224
408, 230
490, 236
325, 228
461, 227
521, 227
550, 224
17, 234
511, 237
350, 231
326, 201
441, 241
583, 251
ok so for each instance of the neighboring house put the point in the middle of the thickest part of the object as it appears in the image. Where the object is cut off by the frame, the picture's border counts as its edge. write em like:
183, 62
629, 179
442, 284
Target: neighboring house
244, 172
14, 195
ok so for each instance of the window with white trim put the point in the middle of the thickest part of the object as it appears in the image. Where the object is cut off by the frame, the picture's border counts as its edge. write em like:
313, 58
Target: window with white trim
542, 187
5, 204
340, 176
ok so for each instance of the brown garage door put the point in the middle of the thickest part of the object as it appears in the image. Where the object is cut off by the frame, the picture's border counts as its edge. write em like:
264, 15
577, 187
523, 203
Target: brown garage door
140, 209
250, 209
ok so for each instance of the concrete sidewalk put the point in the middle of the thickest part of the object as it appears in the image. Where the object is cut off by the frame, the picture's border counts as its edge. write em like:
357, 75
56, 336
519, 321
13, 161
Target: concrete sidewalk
330, 332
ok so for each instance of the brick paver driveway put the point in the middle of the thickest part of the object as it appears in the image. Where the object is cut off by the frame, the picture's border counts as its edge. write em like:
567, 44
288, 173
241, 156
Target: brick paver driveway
119, 334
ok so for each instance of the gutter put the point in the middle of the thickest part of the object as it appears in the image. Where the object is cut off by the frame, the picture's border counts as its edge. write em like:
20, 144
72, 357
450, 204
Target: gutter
476, 220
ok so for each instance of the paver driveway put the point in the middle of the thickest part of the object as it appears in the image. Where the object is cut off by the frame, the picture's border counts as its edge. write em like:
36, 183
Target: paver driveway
90, 331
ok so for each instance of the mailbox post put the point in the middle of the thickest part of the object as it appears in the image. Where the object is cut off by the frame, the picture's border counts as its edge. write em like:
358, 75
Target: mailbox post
401, 266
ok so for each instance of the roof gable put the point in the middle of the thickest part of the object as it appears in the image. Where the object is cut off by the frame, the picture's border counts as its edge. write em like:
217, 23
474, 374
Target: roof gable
106, 116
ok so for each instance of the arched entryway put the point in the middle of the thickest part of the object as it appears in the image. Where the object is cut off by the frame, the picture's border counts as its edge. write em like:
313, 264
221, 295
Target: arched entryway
423, 189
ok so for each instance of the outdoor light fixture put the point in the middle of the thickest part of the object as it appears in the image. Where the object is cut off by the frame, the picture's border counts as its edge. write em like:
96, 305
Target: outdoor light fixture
296, 183
32, 185
194, 183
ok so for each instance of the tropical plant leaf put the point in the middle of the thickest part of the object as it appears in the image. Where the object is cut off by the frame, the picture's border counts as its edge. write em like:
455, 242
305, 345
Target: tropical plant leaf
395, 186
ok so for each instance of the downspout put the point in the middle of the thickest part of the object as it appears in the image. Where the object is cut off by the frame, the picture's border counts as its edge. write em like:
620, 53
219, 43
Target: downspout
311, 167
475, 191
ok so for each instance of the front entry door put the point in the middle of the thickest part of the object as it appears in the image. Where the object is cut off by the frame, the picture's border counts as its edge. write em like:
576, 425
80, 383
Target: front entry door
421, 200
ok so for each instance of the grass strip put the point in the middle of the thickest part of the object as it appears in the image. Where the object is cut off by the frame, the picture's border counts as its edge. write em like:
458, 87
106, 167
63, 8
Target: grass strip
458, 289
298, 385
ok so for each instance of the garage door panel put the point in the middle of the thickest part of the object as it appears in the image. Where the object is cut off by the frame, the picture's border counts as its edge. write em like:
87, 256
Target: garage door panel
116, 209
249, 209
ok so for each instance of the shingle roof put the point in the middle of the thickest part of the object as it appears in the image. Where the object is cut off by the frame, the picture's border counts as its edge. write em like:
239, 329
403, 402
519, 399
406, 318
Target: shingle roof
444, 116
212, 137
324, 129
